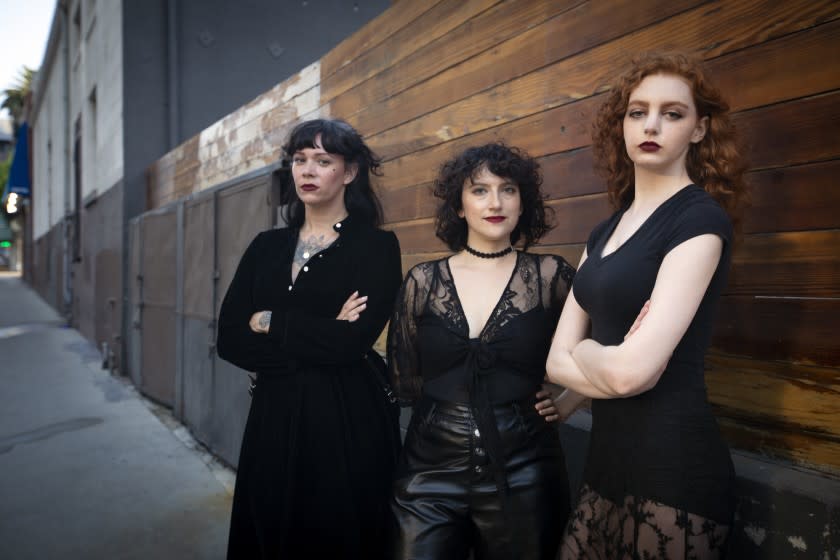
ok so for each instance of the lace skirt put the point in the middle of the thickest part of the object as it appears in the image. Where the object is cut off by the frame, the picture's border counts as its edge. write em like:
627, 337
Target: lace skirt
639, 529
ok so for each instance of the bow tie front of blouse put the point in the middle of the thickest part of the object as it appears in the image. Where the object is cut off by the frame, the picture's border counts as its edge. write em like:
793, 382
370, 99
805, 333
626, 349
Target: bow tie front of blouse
481, 356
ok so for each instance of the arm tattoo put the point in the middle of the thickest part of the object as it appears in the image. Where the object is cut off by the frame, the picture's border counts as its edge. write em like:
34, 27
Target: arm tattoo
265, 319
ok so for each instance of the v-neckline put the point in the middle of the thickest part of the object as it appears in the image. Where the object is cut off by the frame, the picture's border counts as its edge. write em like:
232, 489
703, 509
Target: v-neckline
495, 307
600, 253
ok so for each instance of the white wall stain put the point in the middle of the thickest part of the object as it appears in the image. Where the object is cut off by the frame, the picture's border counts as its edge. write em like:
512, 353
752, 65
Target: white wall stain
756, 534
798, 543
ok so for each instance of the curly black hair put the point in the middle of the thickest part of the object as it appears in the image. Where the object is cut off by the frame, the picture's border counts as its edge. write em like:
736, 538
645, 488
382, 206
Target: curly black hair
503, 161
338, 137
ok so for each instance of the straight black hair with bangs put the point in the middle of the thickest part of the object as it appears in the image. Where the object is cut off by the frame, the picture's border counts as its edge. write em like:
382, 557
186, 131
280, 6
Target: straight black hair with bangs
338, 137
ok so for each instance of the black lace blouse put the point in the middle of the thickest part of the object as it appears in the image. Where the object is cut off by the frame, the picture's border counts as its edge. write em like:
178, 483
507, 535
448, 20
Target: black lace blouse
429, 348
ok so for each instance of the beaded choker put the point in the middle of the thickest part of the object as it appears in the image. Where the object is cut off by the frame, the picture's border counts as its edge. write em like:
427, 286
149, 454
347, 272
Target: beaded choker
481, 255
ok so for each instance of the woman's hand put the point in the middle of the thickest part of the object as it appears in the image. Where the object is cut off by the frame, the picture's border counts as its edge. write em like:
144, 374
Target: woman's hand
260, 321
545, 403
351, 309
638, 322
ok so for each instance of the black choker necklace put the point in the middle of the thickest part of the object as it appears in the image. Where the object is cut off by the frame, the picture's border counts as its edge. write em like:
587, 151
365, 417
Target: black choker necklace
481, 255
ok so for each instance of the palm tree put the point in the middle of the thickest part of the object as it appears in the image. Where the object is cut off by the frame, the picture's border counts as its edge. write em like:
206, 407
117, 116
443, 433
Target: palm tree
15, 96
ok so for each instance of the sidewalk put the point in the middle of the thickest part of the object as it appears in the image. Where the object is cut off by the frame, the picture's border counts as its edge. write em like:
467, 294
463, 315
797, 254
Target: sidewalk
88, 468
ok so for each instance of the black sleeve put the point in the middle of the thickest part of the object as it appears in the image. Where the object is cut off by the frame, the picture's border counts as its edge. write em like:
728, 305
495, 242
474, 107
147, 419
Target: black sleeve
561, 284
403, 355
323, 340
236, 342
699, 219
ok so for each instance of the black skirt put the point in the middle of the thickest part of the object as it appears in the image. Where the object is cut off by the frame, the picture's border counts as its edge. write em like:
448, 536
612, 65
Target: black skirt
315, 468
447, 499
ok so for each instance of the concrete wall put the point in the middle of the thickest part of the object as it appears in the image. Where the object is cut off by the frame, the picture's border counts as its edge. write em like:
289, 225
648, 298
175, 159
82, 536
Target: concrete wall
49, 139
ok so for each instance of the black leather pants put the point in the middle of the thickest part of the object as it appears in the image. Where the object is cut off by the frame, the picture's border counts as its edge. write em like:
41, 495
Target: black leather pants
446, 499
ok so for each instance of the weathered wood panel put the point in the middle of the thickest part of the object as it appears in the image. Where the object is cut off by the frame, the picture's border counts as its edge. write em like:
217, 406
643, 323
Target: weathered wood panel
800, 330
496, 70
584, 75
796, 264
437, 22
791, 133
381, 28
792, 397
475, 36
794, 198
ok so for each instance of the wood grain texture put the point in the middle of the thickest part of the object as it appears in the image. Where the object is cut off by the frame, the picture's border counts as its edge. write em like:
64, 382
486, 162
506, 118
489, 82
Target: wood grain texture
792, 133
808, 450
801, 197
790, 264
374, 33
799, 330
436, 22
473, 37
789, 67
592, 71
454, 103
782, 395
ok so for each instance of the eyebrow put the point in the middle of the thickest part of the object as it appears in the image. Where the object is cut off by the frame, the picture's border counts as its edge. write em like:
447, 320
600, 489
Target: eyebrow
503, 184
666, 104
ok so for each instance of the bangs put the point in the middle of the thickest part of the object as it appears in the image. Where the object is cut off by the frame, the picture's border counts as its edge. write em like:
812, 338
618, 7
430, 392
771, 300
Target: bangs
336, 138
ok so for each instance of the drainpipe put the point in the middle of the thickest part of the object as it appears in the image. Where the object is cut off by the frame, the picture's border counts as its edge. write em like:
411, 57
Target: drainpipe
68, 161
172, 56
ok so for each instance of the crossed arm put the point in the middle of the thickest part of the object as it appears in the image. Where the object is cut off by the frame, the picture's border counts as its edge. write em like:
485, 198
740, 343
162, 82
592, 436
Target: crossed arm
589, 369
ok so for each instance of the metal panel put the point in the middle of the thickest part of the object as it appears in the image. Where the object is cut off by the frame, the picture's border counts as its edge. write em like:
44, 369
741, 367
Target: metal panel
242, 212
159, 289
133, 345
198, 319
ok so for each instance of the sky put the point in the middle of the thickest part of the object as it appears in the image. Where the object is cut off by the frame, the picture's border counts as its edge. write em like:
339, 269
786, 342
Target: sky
24, 30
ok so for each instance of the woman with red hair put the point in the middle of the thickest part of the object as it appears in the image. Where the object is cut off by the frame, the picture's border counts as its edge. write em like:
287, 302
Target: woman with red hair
634, 329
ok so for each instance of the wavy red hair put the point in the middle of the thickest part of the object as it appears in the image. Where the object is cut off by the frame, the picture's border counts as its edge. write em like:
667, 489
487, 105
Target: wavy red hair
715, 163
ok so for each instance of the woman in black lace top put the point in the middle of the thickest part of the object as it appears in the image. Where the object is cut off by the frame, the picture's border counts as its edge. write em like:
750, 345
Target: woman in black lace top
467, 345
658, 479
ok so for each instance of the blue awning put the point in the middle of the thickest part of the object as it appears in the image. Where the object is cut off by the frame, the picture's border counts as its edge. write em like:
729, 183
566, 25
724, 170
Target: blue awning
19, 181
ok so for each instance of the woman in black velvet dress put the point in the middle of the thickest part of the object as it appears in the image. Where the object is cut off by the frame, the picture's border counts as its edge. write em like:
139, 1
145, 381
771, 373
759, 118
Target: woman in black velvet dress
480, 469
303, 310
658, 478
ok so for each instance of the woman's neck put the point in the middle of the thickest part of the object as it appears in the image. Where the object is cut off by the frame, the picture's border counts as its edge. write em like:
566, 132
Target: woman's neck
651, 188
487, 245
322, 221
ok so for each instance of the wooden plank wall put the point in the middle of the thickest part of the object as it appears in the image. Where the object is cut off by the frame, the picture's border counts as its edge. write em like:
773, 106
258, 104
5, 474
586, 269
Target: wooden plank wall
430, 77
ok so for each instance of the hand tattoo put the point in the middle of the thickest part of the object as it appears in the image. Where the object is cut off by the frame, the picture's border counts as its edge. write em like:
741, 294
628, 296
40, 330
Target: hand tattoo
265, 320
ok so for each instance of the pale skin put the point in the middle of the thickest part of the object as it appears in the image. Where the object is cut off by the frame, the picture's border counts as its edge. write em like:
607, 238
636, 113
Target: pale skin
661, 109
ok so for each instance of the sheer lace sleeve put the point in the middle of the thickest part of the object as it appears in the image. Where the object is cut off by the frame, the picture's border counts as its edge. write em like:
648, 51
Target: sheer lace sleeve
556, 275
403, 355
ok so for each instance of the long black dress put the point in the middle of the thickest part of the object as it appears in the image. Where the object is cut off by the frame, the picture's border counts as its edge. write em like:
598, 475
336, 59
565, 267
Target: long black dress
480, 468
658, 479
318, 451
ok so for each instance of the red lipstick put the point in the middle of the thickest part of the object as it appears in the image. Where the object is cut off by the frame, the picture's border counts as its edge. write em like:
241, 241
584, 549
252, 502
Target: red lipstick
649, 146
495, 219
308, 187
